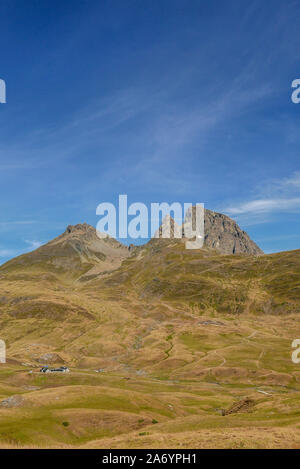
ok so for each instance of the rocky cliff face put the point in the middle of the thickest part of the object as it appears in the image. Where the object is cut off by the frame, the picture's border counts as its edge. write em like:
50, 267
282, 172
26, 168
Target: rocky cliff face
168, 229
220, 233
223, 234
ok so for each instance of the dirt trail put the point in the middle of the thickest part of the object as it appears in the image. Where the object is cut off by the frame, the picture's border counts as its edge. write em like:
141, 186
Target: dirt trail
167, 352
220, 356
254, 344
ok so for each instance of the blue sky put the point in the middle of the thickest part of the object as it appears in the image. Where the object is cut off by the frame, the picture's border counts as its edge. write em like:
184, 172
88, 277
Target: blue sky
169, 100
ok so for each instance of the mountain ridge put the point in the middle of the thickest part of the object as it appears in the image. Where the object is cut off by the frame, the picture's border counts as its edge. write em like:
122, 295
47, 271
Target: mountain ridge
77, 249
170, 336
81, 250
220, 233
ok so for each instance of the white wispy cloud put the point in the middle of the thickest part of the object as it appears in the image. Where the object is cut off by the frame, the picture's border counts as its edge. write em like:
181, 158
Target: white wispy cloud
13, 225
265, 206
8, 253
33, 244
293, 181
276, 196
16, 222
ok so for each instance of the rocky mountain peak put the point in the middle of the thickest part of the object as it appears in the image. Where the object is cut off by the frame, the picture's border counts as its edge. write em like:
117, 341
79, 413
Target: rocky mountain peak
77, 250
79, 228
223, 234
220, 233
168, 229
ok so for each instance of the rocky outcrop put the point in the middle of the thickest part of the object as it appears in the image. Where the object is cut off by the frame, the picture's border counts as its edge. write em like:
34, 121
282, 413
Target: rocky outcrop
223, 234
50, 358
168, 229
13, 401
220, 233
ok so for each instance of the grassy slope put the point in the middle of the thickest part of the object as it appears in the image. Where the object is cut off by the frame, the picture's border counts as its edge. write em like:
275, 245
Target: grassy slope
194, 332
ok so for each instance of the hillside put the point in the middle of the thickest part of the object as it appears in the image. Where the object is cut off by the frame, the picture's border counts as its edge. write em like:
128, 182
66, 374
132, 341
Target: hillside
180, 336
75, 252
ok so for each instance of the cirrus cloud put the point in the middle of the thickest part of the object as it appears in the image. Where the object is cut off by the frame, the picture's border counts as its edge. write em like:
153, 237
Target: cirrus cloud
265, 206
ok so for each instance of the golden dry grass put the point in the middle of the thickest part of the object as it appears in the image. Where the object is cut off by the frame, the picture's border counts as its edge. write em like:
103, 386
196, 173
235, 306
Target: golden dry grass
181, 336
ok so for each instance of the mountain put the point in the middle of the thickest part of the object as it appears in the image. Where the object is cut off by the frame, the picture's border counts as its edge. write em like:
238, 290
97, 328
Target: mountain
168, 229
79, 253
191, 347
221, 233
76, 252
